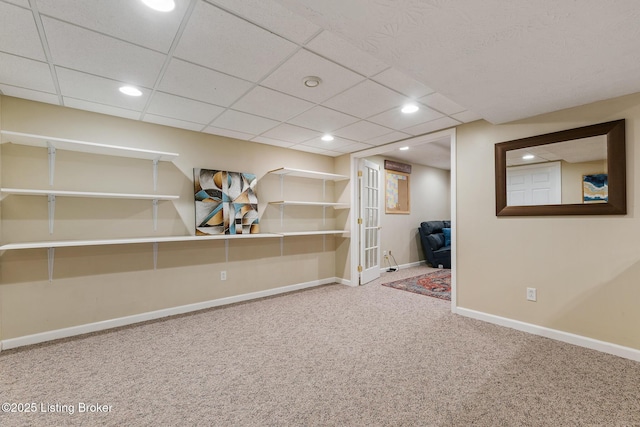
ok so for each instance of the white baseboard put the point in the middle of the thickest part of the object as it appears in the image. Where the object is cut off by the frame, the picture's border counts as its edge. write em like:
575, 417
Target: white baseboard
152, 315
411, 264
579, 340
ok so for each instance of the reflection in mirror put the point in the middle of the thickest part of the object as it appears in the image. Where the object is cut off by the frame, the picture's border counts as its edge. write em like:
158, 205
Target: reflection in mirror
561, 173
579, 171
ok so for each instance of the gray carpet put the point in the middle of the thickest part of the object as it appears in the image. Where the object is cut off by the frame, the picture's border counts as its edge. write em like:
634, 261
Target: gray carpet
332, 355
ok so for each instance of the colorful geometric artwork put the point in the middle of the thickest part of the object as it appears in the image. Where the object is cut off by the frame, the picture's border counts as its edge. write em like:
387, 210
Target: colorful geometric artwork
595, 188
226, 202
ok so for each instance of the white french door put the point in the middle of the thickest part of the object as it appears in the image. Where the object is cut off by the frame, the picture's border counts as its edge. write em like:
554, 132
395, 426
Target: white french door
369, 221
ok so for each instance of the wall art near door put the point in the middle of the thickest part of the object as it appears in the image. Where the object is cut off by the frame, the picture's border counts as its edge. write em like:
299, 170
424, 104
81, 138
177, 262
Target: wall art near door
226, 202
595, 188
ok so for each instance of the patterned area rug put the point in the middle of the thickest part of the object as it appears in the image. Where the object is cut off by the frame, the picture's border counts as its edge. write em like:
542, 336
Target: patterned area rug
436, 284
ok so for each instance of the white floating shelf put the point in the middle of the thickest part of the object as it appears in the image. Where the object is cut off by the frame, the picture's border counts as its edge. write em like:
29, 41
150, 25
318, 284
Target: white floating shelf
64, 193
308, 174
314, 233
299, 203
129, 241
85, 147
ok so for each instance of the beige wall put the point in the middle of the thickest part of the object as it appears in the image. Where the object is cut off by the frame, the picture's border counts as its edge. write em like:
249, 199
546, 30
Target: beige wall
92, 284
430, 195
586, 269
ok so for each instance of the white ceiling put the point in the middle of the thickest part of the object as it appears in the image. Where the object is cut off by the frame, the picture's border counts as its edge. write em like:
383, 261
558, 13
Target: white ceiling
235, 67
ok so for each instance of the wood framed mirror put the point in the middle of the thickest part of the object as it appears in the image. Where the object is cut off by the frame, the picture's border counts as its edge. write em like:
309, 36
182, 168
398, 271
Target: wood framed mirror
579, 171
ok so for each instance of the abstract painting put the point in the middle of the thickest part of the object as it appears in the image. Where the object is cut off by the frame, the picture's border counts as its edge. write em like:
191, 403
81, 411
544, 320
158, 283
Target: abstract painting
595, 188
226, 202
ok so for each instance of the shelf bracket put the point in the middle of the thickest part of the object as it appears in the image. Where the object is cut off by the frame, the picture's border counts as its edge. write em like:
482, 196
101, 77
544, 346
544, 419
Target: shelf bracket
155, 256
155, 174
155, 214
51, 200
324, 190
324, 215
226, 250
50, 255
51, 150
281, 245
281, 216
282, 187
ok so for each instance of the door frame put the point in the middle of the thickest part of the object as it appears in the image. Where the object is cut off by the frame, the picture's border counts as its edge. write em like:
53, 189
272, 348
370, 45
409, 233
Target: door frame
413, 141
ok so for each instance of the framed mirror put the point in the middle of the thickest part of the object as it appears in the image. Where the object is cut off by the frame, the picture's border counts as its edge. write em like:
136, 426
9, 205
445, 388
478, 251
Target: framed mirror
579, 171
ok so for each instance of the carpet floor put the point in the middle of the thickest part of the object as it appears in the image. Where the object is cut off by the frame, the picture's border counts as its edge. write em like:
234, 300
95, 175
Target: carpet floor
328, 356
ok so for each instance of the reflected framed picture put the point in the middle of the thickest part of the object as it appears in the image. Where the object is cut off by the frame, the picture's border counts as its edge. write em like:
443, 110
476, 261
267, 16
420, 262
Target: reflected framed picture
595, 188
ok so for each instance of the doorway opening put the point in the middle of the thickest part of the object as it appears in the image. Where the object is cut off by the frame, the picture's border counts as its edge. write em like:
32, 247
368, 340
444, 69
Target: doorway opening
369, 239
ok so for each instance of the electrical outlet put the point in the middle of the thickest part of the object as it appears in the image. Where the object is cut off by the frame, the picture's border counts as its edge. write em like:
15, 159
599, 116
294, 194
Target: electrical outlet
384, 253
532, 294
223, 275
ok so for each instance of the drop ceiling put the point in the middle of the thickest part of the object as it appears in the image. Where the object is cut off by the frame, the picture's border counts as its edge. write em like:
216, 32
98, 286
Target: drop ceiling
236, 67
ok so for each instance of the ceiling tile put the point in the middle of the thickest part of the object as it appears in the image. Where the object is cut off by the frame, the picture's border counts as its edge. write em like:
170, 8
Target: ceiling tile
272, 16
25, 73
164, 104
396, 119
438, 124
397, 80
79, 49
466, 116
441, 103
99, 90
19, 33
337, 49
366, 99
362, 131
124, 19
387, 138
243, 122
288, 77
101, 108
353, 147
24, 3
323, 119
227, 132
290, 133
32, 95
270, 141
195, 82
338, 144
272, 104
166, 121
315, 150
221, 41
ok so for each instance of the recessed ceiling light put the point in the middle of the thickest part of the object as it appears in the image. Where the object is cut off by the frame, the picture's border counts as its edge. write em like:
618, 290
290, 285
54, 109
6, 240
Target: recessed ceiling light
160, 5
410, 108
327, 138
130, 90
403, 148
312, 81
528, 157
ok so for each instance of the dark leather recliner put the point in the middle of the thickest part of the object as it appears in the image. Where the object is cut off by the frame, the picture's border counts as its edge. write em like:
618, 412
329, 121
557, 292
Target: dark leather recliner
436, 252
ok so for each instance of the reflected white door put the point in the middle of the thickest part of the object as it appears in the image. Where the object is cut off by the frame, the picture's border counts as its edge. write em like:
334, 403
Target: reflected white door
539, 184
369, 221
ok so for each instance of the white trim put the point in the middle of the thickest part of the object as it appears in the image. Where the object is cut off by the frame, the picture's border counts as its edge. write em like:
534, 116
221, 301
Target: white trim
151, 315
453, 182
567, 337
409, 265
